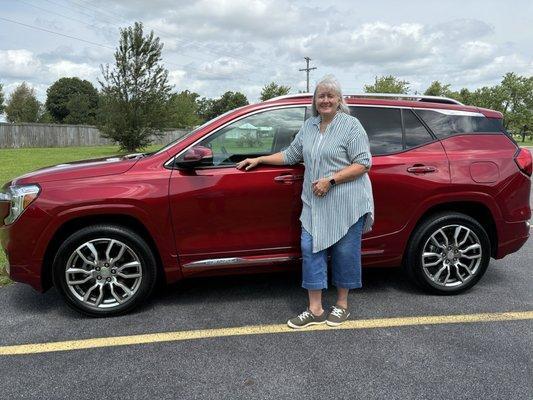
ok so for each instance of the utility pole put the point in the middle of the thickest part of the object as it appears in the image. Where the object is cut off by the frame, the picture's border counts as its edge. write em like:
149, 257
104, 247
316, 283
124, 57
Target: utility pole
307, 59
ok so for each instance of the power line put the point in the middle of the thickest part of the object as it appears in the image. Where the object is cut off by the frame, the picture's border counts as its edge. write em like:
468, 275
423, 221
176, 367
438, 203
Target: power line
93, 43
58, 14
106, 20
202, 47
56, 33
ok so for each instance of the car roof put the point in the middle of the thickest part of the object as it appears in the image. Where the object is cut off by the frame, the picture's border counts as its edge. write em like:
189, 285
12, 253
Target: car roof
390, 100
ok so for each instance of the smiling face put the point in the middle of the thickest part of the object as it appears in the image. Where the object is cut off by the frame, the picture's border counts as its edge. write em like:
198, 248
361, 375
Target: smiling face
327, 101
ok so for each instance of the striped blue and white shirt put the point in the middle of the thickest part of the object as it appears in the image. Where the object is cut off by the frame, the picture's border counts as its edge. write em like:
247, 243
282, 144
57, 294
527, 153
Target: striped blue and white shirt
344, 142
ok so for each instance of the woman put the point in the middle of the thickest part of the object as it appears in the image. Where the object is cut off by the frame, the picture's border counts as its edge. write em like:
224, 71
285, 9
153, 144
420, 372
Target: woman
337, 200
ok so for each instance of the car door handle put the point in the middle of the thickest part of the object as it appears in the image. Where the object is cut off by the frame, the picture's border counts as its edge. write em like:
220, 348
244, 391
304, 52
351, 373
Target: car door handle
288, 179
421, 169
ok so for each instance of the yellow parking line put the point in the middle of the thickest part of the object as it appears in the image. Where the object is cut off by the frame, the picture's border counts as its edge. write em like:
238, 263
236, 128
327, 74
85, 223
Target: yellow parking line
67, 345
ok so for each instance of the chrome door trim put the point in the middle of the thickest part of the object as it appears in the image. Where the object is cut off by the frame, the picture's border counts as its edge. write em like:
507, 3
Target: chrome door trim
235, 261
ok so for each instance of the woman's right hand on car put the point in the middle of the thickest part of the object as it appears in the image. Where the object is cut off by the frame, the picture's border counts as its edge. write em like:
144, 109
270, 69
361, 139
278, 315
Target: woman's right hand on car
249, 163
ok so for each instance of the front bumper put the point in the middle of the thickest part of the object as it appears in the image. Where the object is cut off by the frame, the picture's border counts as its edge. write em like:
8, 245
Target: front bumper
22, 244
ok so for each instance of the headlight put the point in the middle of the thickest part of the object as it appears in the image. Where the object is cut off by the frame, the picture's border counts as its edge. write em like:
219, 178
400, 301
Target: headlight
19, 198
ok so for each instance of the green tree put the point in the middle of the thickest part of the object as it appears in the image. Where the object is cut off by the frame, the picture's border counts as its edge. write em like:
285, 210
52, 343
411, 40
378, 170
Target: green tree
388, 84
438, 89
22, 105
1, 99
184, 108
205, 106
82, 110
513, 97
45, 117
209, 108
464, 96
274, 90
517, 105
135, 93
72, 101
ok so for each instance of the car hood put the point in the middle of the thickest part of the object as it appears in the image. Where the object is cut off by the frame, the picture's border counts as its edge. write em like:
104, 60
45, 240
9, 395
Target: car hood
80, 169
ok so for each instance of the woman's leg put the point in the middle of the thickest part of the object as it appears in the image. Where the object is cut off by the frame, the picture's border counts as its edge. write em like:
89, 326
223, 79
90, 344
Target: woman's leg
346, 262
315, 301
342, 297
314, 272
314, 279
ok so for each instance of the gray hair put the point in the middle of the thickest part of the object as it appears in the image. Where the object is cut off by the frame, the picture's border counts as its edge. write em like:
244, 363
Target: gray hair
332, 83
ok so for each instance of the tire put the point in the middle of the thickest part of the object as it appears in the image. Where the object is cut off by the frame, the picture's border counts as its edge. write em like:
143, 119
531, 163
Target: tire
104, 270
448, 253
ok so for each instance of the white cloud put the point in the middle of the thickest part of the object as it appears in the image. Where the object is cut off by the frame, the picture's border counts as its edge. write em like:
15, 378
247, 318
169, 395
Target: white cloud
461, 29
218, 20
493, 71
175, 77
475, 53
19, 63
215, 46
65, 68
370, 43
222, 68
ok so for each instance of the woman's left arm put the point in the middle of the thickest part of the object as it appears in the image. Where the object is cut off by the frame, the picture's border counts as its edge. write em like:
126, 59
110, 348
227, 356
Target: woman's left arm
347, 174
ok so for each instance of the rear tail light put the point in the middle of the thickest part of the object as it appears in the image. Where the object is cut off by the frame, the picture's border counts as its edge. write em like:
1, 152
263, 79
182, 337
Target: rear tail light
524, 162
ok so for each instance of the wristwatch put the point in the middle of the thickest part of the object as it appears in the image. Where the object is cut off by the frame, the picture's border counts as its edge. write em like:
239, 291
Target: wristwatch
332, 182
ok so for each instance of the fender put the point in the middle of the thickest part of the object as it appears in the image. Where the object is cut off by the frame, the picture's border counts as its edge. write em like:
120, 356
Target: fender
400, 238
162, 236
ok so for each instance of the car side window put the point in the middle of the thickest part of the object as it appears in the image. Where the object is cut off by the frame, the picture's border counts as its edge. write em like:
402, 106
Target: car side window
447, 123
416, 134
256, 135
383, 127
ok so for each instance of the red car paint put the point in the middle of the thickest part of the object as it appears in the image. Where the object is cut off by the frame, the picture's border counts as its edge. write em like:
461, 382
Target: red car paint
190, 215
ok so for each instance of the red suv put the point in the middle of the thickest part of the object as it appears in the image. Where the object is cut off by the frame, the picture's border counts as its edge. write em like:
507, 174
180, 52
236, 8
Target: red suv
451, 190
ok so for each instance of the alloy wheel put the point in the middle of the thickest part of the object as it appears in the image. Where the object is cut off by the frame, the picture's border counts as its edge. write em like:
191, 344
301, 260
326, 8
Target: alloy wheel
103, 273
451, 256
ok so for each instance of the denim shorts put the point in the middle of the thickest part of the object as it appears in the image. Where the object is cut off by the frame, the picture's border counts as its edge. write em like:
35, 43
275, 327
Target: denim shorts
345, 260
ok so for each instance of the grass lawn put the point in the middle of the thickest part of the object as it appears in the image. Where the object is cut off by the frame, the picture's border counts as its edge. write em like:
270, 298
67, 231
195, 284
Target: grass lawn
15, 162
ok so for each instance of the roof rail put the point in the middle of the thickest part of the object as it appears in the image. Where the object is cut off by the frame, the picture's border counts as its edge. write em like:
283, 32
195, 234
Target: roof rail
417, 97
291, 96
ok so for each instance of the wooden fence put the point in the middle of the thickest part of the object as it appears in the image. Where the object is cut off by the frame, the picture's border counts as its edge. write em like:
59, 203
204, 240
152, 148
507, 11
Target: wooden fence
55, 135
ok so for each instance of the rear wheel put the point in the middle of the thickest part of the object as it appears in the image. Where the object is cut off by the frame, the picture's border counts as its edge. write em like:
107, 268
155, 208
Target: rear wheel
448, 253
104, 270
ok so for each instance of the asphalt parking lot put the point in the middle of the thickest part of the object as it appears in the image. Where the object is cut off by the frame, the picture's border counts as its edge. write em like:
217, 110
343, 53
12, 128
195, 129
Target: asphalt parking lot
373, 359
463, 360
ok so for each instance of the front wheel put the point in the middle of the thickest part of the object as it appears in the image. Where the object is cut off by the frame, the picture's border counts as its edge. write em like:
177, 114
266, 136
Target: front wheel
104, 270
448, 253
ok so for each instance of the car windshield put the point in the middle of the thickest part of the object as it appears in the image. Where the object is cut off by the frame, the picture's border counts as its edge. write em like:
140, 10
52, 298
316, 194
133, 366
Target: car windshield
189, 134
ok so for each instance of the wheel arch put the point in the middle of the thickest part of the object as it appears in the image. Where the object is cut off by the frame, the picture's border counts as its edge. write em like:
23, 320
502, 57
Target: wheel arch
74, 224
474, 209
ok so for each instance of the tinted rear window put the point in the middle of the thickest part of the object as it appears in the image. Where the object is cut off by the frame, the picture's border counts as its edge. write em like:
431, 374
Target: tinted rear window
444, 125
383, 127
416, 134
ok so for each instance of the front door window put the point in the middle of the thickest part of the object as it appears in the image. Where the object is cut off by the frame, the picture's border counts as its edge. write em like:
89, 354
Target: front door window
260, 134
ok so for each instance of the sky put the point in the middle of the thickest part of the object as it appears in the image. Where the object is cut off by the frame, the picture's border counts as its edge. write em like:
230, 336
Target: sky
241, 45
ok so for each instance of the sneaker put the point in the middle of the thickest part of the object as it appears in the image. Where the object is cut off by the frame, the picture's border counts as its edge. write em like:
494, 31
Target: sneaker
337, 316
305, 319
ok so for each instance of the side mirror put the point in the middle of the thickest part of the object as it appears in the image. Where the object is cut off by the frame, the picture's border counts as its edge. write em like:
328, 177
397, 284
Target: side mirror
195, 156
